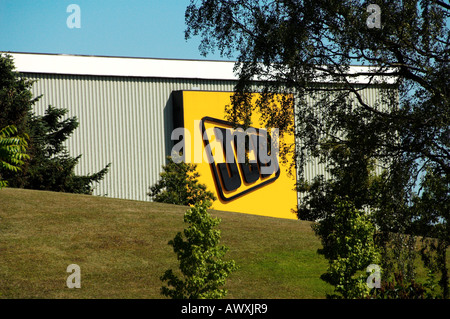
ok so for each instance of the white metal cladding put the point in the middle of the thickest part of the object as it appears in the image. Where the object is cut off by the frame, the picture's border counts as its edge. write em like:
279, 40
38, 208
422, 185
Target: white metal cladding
125, 121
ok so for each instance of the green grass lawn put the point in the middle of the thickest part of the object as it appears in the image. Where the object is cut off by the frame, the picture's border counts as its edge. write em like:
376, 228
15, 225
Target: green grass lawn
121, 248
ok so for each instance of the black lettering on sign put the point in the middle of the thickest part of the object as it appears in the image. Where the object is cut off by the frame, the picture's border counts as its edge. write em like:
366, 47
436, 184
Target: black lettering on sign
228, 171
249, 170
227, 175
264, 157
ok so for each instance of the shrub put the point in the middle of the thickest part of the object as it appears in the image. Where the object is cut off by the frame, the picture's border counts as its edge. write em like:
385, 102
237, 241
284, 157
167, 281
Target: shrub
347, 236
179, 185
203, 272
399, 288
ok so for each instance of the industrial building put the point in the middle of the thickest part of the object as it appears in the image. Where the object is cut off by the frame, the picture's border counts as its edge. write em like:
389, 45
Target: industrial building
126, 109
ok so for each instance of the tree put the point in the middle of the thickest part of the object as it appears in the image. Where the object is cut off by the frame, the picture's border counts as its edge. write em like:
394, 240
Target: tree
352, 175
203, 272
49, 166
12, 151
293, 46
345, 227
16, 99
348, 244
179, 185
432, 214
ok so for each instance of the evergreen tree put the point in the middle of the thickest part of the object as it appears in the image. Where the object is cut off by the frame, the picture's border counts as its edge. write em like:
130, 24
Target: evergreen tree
16, 99
49, 166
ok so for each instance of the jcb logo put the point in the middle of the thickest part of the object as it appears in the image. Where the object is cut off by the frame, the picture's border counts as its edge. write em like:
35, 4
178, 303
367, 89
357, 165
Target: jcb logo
241, 166
241, 161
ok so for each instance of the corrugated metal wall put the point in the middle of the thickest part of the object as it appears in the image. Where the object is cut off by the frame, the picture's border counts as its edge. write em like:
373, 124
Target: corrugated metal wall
127, 122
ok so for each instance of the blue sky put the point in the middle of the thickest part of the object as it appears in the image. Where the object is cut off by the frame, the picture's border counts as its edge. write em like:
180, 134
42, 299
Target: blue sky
135, 28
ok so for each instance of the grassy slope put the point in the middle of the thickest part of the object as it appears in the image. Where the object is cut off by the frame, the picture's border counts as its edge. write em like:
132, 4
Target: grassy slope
121, 247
